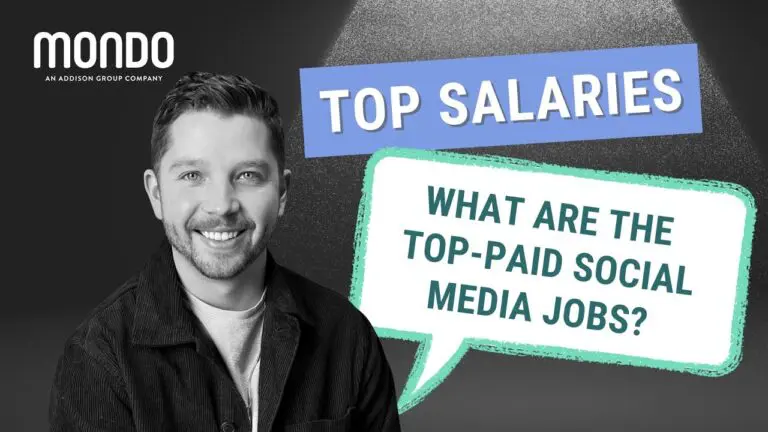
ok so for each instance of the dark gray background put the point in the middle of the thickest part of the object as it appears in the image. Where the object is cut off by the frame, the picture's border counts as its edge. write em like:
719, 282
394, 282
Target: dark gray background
77, 222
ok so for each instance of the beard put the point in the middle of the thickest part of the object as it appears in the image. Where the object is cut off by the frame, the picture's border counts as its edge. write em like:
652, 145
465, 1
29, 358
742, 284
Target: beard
214, 264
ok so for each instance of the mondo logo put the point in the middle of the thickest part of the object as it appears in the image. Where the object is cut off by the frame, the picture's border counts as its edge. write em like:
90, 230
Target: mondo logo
133, 50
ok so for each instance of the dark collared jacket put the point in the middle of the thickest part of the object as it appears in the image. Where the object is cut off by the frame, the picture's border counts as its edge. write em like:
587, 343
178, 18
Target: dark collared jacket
140, 362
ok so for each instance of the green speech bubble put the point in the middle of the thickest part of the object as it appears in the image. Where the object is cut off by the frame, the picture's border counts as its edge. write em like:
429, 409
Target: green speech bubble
419, 385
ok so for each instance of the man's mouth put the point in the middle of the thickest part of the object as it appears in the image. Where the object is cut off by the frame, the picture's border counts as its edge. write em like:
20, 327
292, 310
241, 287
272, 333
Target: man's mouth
220, 236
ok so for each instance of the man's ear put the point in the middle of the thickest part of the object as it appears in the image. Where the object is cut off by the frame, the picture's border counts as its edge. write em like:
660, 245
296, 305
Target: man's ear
152, 187
284, 185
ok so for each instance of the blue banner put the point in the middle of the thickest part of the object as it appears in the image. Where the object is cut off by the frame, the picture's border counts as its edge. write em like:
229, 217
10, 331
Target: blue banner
504, 100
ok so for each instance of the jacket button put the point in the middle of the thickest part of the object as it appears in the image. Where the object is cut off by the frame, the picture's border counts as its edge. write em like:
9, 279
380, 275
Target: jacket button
227, 427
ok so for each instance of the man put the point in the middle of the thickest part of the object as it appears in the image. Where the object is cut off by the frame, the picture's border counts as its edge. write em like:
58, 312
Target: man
212, 334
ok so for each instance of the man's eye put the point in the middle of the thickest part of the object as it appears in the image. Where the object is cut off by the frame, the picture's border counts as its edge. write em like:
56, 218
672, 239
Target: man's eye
251, 176
191, 176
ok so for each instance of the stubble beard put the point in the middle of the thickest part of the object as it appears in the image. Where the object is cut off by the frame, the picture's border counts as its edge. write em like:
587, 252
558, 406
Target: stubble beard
217, 267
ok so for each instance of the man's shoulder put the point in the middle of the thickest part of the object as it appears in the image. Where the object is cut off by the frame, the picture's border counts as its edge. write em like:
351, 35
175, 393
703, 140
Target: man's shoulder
109, 323
323, 306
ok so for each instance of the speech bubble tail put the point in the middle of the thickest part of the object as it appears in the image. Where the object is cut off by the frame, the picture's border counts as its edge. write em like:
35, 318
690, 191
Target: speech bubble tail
435, 359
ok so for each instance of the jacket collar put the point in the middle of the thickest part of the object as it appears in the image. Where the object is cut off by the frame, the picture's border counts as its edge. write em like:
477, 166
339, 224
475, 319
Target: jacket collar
162, 317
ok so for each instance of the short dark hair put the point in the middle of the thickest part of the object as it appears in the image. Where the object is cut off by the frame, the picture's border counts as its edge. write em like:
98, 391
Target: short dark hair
225, 94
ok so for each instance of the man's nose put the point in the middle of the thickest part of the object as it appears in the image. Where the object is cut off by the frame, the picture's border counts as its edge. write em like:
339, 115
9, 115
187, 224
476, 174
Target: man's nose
220, 199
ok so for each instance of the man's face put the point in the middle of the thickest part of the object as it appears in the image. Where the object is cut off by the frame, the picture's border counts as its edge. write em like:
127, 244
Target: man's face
218, 191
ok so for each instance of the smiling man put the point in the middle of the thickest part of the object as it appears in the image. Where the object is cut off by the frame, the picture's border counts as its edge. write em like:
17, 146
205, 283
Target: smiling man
213, 334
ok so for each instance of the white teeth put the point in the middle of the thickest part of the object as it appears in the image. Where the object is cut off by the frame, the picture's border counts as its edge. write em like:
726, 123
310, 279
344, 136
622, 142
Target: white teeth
220, 236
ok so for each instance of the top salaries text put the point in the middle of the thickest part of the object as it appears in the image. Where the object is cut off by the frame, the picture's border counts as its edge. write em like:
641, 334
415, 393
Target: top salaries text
586, 97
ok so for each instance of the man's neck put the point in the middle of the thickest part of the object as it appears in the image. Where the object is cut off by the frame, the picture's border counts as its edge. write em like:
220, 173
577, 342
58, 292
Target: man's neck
239, 293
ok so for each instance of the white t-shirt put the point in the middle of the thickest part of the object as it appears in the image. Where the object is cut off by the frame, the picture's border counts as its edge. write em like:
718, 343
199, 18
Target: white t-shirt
237, 336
